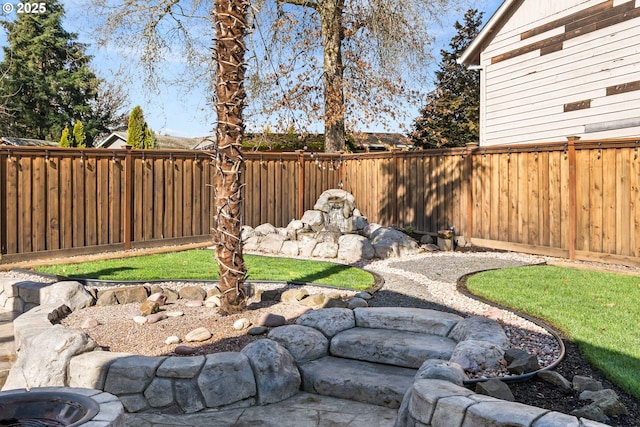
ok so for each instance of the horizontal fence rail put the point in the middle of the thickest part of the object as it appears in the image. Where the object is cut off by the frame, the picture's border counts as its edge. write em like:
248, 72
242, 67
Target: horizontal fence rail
579, 199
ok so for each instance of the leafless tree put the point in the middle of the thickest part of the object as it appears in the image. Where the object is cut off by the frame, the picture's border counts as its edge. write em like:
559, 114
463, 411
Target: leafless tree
347, 62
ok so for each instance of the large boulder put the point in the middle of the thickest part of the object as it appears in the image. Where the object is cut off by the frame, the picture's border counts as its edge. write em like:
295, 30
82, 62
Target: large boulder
43, 361
277, 376
476, 356
391, 243
313, 219
72, 294
354, 247
480, 328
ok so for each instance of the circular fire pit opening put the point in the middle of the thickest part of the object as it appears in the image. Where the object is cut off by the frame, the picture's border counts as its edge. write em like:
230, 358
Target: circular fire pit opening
46, 409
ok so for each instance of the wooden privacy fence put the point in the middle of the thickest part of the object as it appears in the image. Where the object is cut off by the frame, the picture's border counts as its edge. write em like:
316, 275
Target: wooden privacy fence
579, 199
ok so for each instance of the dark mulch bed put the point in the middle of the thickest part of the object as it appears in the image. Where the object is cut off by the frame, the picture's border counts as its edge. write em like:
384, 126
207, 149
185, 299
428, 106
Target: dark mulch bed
541, 394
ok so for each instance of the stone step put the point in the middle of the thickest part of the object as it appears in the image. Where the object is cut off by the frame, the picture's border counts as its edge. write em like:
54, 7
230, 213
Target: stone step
367, 382
398, 348
407, 319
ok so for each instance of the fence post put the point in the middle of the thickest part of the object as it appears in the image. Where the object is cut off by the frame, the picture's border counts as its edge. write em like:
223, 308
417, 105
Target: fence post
573, 208
394, 211
128, 197
301, 183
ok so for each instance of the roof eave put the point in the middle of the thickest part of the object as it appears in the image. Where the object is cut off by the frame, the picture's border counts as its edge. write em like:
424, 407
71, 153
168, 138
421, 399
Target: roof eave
471, 55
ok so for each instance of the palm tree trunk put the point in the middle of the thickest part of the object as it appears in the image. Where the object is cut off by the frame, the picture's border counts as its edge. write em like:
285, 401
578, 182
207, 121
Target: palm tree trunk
230, 19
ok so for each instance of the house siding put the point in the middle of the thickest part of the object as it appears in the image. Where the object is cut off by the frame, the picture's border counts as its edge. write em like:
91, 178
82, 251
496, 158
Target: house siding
562, 68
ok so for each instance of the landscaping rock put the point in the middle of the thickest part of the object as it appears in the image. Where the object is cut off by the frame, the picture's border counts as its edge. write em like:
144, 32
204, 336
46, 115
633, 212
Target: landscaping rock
159, 298
512, 354
131, 374
390, 243
192, 293
131, 294
476, 356
271, 320
325, 250
277, 376
294, 295
241, 324
495, 388
524, 365
156, 317
70, 293
290, 248
271, 244
357, 303
149, 307
480, 328
257, 330
107, 297
181, 367
442, 370
315, 301
43, 360
354, 247
173, 339
582, 383
553, 377
184, 350
313, 218
607, 400
198, 335
264, 229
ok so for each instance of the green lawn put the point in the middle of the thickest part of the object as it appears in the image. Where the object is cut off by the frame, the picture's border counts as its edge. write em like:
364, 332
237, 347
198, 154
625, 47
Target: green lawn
200, 264
599, 311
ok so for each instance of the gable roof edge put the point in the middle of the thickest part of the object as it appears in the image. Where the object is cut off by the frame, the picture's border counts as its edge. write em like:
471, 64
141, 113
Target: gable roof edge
471, 55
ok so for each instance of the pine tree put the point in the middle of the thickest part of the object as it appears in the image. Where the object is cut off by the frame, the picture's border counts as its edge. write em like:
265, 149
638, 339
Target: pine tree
450, 117
65, 140
47, 75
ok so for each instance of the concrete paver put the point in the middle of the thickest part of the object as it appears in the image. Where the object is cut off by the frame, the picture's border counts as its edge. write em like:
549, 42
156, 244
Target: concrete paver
301, 410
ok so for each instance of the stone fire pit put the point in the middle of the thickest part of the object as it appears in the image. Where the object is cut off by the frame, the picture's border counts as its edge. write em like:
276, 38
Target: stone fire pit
58, 406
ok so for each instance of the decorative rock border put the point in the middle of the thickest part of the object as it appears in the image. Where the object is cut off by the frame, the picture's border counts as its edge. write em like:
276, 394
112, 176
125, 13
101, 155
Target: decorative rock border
263, 372
440, 403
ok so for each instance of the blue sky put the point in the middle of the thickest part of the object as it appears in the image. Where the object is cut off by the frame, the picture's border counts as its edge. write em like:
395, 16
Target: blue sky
173, 111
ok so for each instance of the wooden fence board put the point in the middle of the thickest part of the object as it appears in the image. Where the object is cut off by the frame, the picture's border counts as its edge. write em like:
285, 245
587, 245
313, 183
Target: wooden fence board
623, 210
90, 207
187, 217
115, 201
102, 195
39, 204
75, 198
25, 243
634, 203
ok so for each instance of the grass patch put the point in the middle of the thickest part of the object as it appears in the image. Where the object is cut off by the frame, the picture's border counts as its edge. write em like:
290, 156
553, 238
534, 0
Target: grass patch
200, 264
599, 311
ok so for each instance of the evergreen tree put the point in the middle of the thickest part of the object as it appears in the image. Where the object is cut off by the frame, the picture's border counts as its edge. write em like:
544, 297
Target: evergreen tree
149, 137
46, 75
79, 137
451, 115
139, 134
65, 140
135, 131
